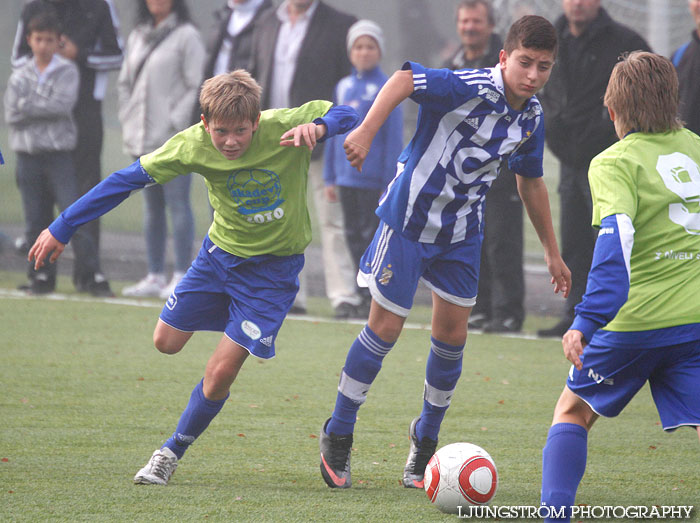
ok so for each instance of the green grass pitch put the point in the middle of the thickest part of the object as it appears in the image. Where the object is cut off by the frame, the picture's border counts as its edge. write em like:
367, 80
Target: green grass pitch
86, 399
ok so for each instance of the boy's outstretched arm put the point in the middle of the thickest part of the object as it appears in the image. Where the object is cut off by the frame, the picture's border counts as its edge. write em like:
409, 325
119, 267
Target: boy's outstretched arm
106, 195
533, 193
395, 90
338, 120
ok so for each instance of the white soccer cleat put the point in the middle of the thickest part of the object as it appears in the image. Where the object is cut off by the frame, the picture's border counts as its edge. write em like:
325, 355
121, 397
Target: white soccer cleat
159, 468
150, 286
170, 287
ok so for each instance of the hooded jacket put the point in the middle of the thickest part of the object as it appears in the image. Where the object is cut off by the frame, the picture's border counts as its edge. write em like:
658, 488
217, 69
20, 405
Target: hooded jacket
39, 107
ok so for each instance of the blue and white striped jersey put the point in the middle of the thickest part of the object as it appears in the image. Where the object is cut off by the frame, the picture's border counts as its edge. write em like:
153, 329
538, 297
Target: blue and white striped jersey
465, 127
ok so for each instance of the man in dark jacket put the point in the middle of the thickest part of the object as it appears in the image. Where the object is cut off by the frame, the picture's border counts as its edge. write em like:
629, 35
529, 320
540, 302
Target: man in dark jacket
499, 306
300, 54
578, 127
90, 39
687, 62
231, 45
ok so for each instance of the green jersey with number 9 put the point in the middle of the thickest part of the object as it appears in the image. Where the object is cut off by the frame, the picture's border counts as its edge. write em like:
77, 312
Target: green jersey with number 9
655, 180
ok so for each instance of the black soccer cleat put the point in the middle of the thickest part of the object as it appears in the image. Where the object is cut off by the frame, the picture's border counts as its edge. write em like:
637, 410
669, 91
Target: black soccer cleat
418, 457
335, 458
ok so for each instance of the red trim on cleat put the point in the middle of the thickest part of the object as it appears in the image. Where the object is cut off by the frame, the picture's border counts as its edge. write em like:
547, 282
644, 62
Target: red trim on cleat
339, 482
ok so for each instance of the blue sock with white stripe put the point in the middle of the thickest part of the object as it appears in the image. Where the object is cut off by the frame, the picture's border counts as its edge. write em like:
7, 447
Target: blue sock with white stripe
441, 375
563, 465
193, 420
361, 367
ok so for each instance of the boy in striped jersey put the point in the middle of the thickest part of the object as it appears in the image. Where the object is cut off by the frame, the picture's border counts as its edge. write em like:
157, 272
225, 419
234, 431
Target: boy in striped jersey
431, 223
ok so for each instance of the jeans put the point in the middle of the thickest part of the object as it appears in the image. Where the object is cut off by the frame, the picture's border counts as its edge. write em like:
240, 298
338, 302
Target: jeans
175, 195
45, 180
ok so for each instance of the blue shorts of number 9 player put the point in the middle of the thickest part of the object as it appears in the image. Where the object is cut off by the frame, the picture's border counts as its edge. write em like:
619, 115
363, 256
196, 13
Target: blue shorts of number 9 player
612, 376
246, 298
392, 266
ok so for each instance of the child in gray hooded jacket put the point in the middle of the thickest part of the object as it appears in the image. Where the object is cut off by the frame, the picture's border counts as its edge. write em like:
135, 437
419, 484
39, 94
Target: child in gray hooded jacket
39, 103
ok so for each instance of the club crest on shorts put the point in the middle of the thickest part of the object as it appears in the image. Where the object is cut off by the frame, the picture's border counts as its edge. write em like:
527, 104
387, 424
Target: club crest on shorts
386, 275
250, 329
172, 301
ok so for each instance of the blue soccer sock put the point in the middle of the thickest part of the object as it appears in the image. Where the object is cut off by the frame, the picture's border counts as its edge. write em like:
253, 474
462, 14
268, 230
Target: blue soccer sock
441, 375
193, 420
361, 367
563, 465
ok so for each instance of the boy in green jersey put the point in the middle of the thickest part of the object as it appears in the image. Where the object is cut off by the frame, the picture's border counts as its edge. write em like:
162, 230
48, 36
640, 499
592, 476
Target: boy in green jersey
639, 320
245, 278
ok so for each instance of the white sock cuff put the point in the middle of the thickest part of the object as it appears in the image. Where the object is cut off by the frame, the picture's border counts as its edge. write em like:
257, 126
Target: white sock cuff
353, 389
437, 397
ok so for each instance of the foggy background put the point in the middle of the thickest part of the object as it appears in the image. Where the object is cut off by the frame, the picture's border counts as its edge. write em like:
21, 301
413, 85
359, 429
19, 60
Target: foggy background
419, 30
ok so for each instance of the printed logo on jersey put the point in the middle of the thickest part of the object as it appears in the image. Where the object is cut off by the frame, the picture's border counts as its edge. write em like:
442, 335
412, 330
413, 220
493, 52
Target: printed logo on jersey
250, 329
472, 122
681, 175
266, 341
255, 190
172, 301
534, 111
489, 94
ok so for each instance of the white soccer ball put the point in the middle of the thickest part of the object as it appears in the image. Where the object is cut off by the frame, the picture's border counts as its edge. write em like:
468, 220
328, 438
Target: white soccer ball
460, 474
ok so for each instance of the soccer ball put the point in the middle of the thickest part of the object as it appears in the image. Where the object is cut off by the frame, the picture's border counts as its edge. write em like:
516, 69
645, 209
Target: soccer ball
460, 474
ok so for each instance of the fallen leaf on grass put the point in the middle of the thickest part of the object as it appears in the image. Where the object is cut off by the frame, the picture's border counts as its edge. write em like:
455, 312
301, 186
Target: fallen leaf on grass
241, 435
313, 436
4, 460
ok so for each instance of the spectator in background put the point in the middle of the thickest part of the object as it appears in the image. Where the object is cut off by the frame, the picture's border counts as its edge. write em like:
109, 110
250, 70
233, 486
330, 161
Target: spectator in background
687, 62
232, 43
499, 306
299, 54
90, 38
578, 127
39, 104
158, 86
359, 192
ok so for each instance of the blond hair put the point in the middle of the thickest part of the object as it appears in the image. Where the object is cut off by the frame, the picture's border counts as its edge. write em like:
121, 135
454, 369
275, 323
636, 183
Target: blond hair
643, 93
230, 97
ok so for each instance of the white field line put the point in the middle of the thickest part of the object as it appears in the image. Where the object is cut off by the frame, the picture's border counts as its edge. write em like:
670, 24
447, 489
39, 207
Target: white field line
10, 294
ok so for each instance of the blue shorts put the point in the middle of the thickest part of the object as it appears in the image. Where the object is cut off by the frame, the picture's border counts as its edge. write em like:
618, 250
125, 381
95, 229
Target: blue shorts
392, 266
246, 298
612, 376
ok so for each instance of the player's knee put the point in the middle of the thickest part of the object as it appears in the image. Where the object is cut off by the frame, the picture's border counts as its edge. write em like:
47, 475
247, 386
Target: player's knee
218, 379
166, 344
